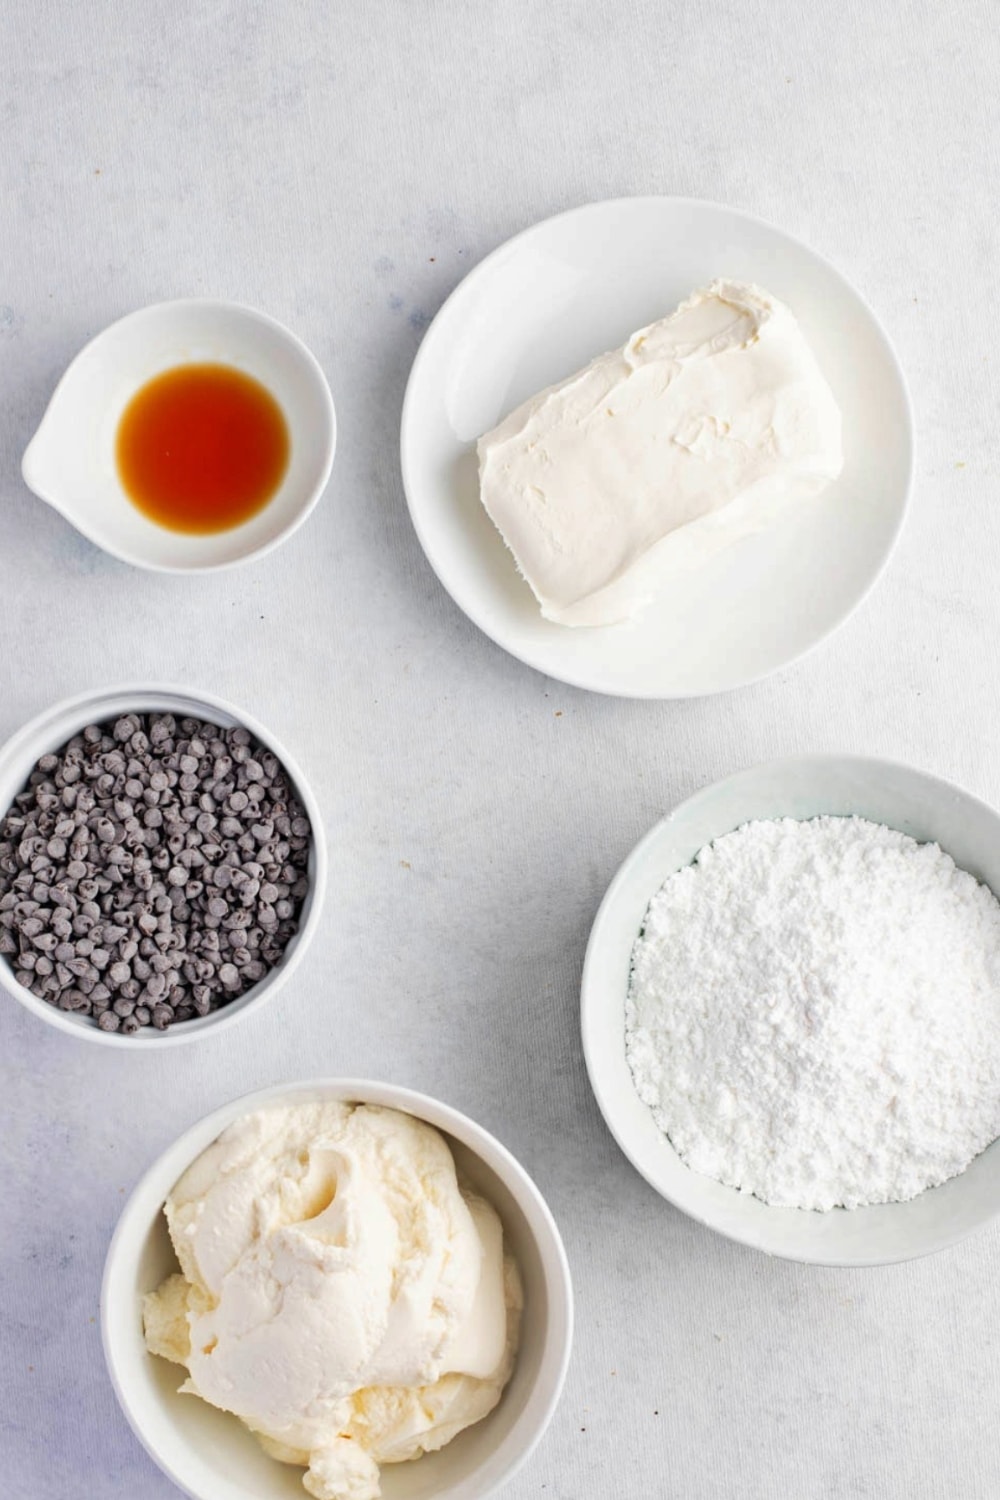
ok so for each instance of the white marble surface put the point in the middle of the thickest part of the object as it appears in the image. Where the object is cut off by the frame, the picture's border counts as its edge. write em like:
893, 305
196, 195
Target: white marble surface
342, 167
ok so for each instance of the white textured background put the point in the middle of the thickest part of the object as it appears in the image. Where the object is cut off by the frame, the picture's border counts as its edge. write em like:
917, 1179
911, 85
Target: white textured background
342, 166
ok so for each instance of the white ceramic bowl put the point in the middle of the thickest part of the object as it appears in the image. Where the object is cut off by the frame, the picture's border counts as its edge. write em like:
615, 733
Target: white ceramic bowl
208, 1453
49, 732
923, 806
70, 462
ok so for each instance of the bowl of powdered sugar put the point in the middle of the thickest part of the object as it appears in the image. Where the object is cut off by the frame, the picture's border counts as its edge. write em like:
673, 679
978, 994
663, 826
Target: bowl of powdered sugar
791, 1010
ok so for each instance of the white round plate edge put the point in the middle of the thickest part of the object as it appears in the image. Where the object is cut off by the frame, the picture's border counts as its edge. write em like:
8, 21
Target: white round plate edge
532, 640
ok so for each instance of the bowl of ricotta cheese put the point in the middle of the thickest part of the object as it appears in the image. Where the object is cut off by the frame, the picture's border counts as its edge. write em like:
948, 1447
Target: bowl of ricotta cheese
791, 1009
341, 1289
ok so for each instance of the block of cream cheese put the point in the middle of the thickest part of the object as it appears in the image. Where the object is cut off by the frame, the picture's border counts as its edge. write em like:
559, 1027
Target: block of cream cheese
639, 468
339, 1290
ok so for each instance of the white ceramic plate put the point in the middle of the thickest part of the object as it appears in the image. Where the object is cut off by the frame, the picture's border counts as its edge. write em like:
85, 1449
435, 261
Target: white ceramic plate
567, 290
929, 810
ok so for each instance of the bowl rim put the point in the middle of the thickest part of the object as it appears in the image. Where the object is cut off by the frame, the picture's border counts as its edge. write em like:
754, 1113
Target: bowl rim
134, 1222
200, 304
590, 999
102, 703
466, 288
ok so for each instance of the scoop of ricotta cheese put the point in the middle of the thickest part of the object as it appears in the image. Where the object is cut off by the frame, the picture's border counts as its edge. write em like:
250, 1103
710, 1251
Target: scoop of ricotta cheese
339, 1291
647, 463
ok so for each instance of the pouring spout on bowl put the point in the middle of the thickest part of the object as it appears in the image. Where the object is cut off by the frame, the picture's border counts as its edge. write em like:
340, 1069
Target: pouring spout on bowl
57, 460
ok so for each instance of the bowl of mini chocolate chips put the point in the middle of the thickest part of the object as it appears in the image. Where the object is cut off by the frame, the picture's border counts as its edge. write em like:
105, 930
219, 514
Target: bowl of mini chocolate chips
162, 865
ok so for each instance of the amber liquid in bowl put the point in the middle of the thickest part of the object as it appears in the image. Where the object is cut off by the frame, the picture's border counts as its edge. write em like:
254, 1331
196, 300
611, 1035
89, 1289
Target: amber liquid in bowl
202, 448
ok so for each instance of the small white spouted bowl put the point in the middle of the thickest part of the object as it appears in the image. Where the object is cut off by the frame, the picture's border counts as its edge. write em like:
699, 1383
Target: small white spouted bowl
54, 728
925, 807
209, 1453
70, 462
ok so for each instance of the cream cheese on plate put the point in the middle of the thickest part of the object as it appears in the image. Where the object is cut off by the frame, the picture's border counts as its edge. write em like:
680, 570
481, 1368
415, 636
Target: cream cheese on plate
638, 469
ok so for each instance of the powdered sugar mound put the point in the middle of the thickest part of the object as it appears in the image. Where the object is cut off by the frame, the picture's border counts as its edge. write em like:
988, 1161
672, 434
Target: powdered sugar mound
814, 1013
